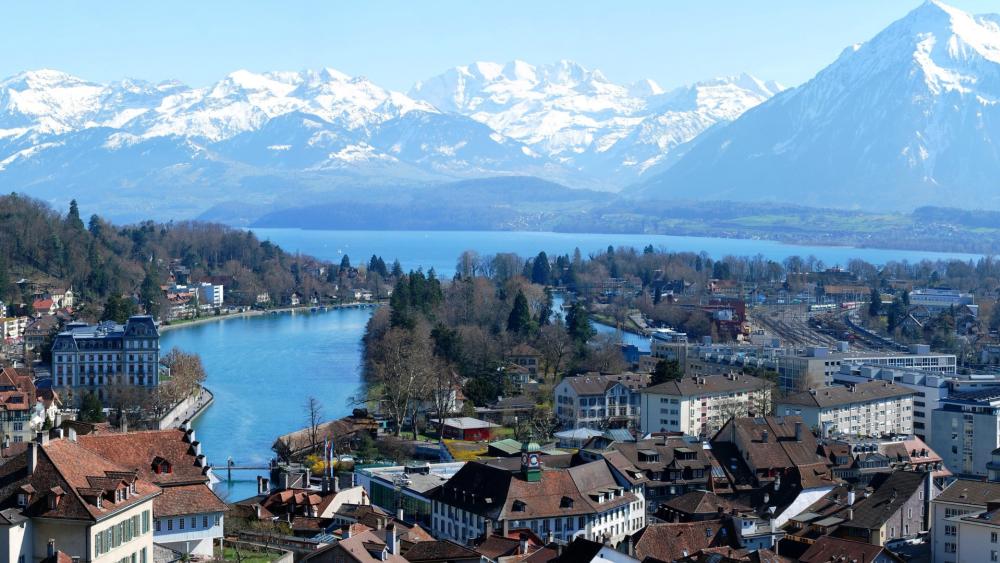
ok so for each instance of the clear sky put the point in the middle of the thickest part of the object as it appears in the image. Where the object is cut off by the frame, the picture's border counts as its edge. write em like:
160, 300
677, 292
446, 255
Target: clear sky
397, 42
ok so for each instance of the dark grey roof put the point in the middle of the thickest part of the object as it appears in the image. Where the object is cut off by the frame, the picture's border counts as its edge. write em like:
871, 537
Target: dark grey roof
843, 395
891, 493
689, 386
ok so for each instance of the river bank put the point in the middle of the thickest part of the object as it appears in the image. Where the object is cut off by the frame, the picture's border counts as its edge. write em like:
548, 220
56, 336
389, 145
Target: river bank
258, 312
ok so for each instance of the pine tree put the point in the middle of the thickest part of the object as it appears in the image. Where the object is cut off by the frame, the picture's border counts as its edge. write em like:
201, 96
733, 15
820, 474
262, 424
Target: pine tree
73, 219
345, 263
578, 324
875, 307
541, 270
91, 409
149, 292
519, 321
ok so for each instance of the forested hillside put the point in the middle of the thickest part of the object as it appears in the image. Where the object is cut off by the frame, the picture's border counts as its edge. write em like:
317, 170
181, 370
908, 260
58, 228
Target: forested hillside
100, 260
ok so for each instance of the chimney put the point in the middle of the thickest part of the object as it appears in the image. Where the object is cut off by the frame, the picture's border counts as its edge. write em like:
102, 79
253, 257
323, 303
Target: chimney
42, 438
777, 482
286, 480
550, 538
850, 514
798, 431
347, 532
522, 548
71, 433
32, 457
391, 541
487, 527
630, 546
336, 483
59, 433
51, 548
850, 497
325, 485
400, 514
764, 436
261, 485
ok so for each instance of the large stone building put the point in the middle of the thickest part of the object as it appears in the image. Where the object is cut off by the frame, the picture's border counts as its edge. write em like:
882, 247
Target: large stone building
698, 406
593, 500
871, 408
599, 401
97, 356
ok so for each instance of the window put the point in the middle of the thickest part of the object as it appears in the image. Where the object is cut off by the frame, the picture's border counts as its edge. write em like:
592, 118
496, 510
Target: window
194, 522
170, 524
204, 521
157, 525
993, 537
994, 555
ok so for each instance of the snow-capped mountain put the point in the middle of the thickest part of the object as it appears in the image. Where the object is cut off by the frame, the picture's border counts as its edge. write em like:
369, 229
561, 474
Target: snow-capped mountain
910, 117
304, 132
579, 118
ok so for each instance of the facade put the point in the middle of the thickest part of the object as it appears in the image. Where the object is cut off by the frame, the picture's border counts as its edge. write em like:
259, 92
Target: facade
872, 408
966, 430
699, 406
801, 369
210, 295
526, 357
59, 495
961, 498
97, 356
977, 535
599, 401
895, 510
671, 466
17, 405
592, 500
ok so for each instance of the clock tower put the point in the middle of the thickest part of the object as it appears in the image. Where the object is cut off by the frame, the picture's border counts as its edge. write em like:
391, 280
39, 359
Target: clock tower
531, 465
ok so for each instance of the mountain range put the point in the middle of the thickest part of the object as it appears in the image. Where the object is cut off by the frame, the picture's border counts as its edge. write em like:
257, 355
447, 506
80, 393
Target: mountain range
906, 119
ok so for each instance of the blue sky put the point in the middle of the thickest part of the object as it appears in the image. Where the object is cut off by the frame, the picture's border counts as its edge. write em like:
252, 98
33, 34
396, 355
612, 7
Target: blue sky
398, 42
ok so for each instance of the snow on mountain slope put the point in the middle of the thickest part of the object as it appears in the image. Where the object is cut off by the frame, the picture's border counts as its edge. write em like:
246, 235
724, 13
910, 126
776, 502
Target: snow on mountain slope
581, 119
910, 117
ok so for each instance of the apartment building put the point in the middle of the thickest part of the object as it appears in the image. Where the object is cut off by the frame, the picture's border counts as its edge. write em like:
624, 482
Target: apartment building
95, 356
699, 406
813, 367
870, 408
962, 498
965, 430
18, 399
600, 401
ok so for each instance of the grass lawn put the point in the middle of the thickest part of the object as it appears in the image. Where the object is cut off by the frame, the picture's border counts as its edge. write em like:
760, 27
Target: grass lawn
229, 554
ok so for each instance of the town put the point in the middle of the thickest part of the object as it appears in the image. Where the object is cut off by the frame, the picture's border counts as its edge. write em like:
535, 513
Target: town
633, 405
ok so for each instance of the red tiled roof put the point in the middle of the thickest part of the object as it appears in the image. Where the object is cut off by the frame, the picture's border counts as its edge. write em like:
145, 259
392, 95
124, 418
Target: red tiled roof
828, 549
674, 541
187, 499
136, 450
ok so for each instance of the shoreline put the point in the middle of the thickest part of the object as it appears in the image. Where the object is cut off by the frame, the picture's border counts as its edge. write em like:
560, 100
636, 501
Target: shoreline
259, 312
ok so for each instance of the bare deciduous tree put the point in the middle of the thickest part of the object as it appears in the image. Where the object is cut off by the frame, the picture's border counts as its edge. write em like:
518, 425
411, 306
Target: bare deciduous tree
314, 416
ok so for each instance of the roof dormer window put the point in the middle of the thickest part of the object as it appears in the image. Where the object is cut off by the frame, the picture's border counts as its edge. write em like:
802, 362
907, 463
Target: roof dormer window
161, 466
518, 506
566, 502
22, 499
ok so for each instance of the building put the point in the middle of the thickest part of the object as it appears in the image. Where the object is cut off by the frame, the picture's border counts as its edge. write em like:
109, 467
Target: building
592, 500
895, 510
699, 406
871, 408
406, 487
599, 401
58, 495
812, 367
345, 433
858, 460
977, 534
965, 430
210, 295
526, 357
97, 356
940, 299
467, 428
928, 387
17, 405
369, 546
187, 515
963, 497
668, 345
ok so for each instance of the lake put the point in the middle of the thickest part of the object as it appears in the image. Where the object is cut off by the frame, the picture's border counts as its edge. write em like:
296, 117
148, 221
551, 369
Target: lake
261, 370
440, 249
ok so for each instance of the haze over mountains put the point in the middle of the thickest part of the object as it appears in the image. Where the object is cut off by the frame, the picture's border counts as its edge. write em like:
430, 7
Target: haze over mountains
907, 118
